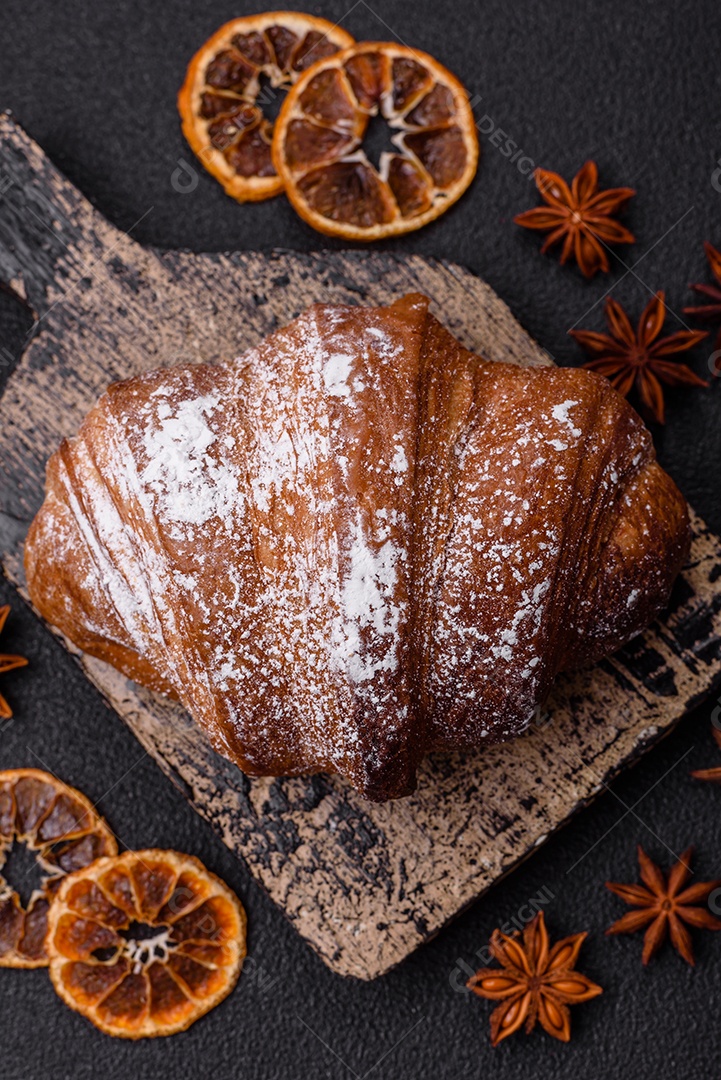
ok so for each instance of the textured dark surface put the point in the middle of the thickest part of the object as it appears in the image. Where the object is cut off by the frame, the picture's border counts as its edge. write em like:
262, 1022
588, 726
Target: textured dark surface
633, 85
333, 863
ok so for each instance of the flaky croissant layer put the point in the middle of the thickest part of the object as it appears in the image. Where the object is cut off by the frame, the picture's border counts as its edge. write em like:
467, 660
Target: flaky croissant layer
357, 543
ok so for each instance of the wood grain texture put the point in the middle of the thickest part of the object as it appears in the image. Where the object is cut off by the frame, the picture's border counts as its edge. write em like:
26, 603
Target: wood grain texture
364, 884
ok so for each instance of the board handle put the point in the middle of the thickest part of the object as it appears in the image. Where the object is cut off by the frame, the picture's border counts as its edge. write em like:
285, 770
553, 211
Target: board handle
44, 220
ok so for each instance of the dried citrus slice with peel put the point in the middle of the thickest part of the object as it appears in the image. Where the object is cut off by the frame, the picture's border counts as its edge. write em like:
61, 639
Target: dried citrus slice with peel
318, 142
229, 80
65, 832
145, 943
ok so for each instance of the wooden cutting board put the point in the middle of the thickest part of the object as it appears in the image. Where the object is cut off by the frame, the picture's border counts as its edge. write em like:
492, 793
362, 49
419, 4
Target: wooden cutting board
363, 884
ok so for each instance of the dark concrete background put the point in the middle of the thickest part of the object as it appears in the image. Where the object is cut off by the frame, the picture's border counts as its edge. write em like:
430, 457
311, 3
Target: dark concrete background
634, 85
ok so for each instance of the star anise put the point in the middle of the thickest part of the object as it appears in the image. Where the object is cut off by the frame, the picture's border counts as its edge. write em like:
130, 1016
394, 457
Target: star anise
535, 982
581, 216
664, 906
635, 358
710, 774
710, 311
7, 663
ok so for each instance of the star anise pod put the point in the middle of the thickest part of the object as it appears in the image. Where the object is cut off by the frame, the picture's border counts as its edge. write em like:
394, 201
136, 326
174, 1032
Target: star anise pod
710, 774
664, 906
635, 358
535, 982
710, 311
7, 663
581, 216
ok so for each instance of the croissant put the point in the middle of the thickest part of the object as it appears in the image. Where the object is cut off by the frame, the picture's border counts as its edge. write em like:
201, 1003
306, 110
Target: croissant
358, 543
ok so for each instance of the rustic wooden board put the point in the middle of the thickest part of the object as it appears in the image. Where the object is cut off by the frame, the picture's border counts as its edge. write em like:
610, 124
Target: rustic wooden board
364, 884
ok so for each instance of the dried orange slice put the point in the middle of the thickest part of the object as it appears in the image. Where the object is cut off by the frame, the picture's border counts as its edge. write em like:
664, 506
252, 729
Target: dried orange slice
318, 142
63, 828
238, 70
145, 943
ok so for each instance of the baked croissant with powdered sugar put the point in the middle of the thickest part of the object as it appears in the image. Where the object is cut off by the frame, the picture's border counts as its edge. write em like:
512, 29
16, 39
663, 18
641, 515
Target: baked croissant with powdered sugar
358, 543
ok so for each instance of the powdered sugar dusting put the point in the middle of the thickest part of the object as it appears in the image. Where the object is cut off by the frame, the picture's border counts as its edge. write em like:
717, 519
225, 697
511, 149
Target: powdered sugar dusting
319, 585
561, 413
336, 371
368, 596
189, 484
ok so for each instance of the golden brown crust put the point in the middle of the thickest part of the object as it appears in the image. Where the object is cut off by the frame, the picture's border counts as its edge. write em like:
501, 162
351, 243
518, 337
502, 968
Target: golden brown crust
357, 543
